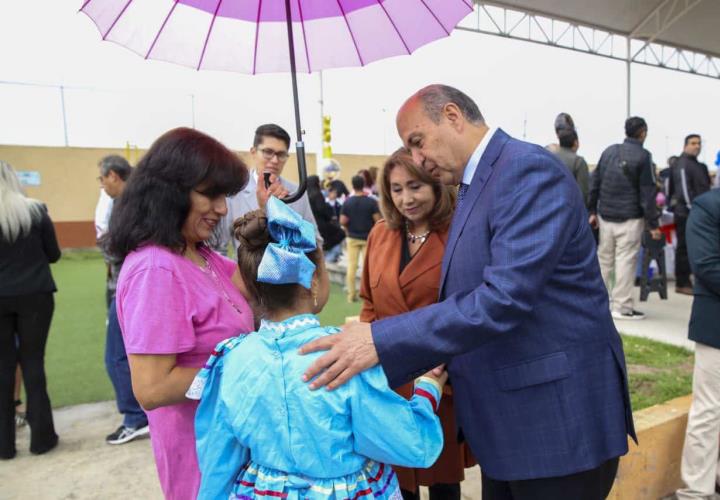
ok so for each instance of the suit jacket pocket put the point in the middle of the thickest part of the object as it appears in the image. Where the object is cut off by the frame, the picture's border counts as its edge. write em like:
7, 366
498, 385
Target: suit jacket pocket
537, 371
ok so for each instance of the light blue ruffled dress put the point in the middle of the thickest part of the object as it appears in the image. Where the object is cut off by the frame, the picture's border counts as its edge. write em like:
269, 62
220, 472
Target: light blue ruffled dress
262, 433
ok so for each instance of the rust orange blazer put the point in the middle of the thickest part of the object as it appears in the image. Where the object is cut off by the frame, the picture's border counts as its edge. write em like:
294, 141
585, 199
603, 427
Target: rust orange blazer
387, 292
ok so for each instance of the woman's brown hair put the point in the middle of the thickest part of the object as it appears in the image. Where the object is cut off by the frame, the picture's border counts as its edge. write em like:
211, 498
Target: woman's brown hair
442, 212
251, 231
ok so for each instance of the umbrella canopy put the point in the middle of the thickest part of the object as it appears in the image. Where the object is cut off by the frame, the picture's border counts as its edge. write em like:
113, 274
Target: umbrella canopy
250, 36
264, 36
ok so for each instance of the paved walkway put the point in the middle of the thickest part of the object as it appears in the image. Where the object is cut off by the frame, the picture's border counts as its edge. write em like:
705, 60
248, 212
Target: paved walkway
84, 467
666, 320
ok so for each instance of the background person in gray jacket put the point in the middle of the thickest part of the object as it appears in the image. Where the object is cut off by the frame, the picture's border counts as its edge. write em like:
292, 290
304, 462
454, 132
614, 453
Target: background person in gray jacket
567, 152
702, 440
622, 203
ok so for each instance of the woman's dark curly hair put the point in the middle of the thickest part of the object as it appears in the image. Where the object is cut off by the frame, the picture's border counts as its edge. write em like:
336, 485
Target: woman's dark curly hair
156, 200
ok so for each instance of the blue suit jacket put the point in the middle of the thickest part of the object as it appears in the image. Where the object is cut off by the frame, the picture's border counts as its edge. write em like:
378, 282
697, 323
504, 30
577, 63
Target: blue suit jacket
537, 367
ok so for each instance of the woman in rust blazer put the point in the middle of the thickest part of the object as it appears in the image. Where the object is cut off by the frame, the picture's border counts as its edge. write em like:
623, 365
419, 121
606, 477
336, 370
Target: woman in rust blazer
401, 273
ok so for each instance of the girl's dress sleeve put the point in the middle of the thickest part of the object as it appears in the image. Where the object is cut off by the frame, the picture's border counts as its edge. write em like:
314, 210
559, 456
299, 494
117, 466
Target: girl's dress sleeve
220, 455
390, 429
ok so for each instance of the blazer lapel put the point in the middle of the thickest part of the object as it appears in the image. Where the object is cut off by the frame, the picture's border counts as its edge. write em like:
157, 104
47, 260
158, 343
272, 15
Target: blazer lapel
480, 178
392, 291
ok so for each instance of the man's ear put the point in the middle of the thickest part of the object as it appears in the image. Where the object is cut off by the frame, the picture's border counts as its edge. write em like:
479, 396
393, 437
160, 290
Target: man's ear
454, 116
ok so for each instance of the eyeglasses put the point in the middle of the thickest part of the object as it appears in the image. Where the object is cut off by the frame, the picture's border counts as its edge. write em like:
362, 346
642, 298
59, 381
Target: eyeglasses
269, 153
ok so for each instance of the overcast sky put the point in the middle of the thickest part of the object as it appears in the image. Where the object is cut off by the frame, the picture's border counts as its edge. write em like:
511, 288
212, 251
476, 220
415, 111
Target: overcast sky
114, 96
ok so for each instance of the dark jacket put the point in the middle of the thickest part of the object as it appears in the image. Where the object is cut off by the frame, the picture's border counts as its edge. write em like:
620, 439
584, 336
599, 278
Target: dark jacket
703, 243
25, 263
328, 226
688, 179
623, 184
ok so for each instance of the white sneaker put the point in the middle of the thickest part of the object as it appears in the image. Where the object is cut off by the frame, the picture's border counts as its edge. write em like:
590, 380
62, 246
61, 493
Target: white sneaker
126, 434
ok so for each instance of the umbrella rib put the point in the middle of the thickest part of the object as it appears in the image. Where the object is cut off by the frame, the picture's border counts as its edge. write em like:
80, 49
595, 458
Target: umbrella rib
207, 38
117, 19
85, 3
347, 23
435, 17
257, 36
302, 24
380, 3
162, 27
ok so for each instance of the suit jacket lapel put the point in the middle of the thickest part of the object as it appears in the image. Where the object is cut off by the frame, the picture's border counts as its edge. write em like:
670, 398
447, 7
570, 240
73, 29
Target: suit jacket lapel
480, 178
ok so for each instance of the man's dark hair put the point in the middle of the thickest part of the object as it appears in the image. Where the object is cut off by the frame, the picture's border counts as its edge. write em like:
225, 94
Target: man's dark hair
156, 200
692, 136
567, 138
358, 183
635, 126
117, 164
271, 130
435, 97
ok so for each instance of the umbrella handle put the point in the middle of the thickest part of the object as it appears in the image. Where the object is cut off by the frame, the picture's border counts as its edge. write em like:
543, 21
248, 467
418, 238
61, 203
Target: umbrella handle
302, 174
299, 145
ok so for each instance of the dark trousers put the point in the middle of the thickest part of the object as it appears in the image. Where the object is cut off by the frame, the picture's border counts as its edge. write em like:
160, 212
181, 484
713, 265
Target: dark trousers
116, 363
26, 318
439, 491
594, 484
682, 264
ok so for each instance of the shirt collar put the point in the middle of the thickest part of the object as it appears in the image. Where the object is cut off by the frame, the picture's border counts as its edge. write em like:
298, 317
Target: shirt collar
474, 160
291, 325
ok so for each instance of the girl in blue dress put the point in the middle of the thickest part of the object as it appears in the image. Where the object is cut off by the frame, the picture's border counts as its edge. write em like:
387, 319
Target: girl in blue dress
261, 432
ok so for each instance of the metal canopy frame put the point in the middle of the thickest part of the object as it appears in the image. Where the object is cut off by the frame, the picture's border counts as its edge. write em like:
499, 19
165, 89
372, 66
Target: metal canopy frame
639, 46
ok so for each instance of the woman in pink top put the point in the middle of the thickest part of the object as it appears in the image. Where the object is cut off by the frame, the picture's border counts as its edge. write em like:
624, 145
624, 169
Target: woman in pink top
176, 299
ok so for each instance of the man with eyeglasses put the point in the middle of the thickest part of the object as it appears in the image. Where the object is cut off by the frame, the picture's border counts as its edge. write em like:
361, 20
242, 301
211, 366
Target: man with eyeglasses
268, 154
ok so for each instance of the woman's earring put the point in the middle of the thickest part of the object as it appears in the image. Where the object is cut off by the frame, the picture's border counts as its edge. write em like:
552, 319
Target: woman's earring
313, 290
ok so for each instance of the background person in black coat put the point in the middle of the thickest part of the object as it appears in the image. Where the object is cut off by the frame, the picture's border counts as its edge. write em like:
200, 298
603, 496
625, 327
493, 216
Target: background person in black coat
700, 453
27, 247
327, 222
688, 179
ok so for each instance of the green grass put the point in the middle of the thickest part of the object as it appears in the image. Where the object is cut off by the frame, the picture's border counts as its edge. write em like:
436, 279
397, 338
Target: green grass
657, 372
76, 345
75, 353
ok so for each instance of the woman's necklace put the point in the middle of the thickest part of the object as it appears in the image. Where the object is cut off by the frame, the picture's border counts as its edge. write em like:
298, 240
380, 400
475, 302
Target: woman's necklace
208, 269
412, 237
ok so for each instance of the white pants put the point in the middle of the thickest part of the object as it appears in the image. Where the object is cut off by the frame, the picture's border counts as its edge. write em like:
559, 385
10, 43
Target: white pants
700, 468
618, 251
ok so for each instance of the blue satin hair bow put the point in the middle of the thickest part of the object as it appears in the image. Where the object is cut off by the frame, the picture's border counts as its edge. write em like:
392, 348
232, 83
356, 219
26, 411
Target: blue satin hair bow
284, 260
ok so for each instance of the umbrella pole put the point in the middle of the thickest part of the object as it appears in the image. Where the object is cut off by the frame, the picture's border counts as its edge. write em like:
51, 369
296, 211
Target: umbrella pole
299, 145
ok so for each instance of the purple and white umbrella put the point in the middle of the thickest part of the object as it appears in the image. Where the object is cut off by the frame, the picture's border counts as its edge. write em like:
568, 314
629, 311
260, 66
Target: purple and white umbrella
266, 36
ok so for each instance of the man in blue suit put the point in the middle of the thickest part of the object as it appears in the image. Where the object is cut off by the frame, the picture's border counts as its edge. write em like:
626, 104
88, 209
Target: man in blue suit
523, 320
